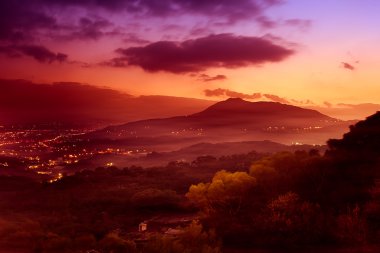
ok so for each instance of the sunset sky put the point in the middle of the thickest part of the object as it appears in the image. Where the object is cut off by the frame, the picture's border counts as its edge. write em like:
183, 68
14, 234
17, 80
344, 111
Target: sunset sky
306, 52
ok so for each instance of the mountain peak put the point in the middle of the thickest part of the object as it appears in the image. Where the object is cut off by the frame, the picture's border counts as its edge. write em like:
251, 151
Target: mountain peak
237, 106
234, 100
230, 104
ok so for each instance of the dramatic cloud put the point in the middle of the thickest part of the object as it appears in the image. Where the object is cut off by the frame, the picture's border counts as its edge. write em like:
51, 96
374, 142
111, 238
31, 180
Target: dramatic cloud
42, 54
230, 10
222, 50
19, 19
23, 21
36, 21
39, 53
207, 78
111, 5
348, 66
229, 93
276, 98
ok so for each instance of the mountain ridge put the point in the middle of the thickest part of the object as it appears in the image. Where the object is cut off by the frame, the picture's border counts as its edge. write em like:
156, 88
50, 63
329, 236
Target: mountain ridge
235, 119
241, 106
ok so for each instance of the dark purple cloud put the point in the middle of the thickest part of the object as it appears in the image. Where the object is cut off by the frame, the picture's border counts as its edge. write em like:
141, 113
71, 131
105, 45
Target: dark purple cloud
207, 78
231, 10
28, 22
24, 21
39, 53
230, 93
222, 50
348, 66
111, 5
21, 19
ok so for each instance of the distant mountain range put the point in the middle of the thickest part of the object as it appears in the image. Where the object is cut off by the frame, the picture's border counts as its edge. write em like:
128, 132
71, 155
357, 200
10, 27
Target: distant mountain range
74, 104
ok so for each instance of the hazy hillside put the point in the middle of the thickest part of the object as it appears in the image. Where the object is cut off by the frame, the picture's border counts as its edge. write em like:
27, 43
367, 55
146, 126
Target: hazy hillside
24, 102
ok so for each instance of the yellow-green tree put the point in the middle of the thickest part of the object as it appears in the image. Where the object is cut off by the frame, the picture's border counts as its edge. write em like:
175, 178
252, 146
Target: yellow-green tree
226, 194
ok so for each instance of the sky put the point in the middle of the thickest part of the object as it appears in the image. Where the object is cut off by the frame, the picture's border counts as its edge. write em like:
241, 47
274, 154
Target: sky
302, 52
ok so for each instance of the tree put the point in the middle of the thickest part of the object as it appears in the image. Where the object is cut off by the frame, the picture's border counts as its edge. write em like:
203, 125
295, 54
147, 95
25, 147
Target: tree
355, 160
227, 193
290, 220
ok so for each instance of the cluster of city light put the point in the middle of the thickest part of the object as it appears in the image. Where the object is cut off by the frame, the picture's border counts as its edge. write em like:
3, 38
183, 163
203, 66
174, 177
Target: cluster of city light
198, 131
48, 153
297, 129
58, 177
